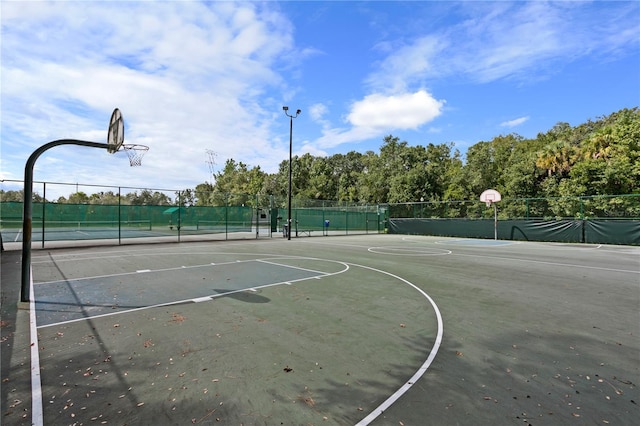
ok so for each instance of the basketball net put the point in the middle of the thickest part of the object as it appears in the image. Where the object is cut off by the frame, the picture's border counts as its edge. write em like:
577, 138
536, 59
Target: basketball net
489, 203
135, 153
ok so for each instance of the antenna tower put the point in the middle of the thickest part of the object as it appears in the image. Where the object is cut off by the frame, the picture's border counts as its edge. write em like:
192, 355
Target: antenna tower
211, 162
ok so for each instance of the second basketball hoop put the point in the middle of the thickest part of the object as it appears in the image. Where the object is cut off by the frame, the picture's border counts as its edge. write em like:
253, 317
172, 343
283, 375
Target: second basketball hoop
490, 197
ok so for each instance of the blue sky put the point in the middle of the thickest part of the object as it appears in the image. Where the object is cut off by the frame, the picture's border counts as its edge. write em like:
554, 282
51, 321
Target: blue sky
192, 77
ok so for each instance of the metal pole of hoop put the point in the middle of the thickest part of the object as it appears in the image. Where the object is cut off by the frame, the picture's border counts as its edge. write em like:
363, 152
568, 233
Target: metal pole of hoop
115, 139
495, 219
27, 215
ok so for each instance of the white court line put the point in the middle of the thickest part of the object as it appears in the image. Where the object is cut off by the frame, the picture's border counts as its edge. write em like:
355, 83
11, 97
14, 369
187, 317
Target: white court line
408, 251
299, 268
68, 280
423, 368
200, 299
37, 417
478, 242
15, 240
80, 255
391, 399
549, 263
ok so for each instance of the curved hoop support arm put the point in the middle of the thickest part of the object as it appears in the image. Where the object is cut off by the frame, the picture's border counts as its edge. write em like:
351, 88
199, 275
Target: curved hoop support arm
28, 208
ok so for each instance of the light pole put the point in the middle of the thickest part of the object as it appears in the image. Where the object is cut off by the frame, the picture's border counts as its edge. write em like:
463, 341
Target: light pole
291, 117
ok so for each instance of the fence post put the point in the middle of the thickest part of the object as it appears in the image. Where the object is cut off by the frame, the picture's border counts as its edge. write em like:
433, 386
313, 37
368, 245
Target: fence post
366, 219
179, 212
119, 216
324, 231
44, 203
346, 219
226, 216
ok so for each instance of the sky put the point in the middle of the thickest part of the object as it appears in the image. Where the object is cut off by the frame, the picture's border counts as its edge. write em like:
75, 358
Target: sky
204, 82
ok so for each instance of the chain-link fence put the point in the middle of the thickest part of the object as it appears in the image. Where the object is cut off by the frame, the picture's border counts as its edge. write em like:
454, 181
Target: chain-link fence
593, 207
90, 212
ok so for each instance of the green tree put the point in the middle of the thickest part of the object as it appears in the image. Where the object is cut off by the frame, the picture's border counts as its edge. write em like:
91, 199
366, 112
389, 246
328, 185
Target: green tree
104, 198
11, 195
204, 194
78, 198
148, 198
236, 184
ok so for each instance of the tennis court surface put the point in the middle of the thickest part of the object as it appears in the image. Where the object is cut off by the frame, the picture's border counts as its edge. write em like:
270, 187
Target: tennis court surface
368, 329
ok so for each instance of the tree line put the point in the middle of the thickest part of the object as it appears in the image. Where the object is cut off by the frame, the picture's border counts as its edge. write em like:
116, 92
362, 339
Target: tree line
598, 157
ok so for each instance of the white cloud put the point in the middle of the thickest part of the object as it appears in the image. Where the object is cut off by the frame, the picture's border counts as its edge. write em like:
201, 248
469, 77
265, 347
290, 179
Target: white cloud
507, 40
408, 64
318, 111
497, 40
404, 111
188, 76
515, 122
378, 114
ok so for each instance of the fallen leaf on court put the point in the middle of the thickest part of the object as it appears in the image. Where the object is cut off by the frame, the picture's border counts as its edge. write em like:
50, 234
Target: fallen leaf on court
360, 409
148, 343
458, 353
309, 401
402, 325
140, 404
116, 325
288, 369
177, 317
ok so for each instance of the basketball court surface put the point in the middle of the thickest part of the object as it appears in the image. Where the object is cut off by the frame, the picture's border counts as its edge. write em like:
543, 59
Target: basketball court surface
368, 329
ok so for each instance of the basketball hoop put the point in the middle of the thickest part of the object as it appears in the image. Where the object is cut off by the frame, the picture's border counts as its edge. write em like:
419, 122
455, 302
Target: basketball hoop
489, 197
135, 153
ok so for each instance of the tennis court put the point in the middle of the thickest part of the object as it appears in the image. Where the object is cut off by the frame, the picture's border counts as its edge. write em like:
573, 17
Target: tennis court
365, 329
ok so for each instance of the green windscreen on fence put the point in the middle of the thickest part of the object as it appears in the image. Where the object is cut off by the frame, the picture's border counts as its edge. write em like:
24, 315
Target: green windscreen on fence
597, 219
